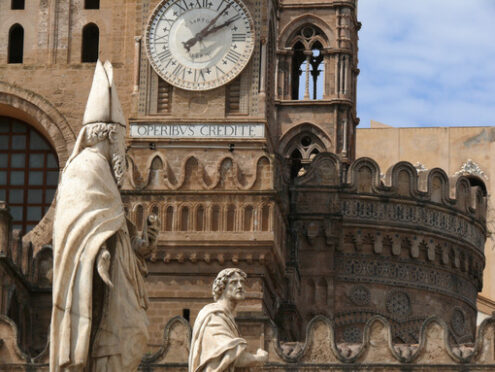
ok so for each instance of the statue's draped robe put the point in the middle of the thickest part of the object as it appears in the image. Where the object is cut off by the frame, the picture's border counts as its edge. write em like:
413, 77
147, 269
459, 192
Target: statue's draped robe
89, 213
215, 344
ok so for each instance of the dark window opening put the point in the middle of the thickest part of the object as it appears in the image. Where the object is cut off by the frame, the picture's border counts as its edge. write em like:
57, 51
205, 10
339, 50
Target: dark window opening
295, 166
17, 4
186, 313
298, 60
16, 44
91, 4
90, 43
28, 173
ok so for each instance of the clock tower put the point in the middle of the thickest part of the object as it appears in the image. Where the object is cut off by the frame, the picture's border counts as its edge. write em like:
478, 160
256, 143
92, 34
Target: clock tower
233, 100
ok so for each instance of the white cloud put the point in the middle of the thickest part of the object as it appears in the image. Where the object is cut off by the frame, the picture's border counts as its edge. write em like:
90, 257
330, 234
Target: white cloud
427, 62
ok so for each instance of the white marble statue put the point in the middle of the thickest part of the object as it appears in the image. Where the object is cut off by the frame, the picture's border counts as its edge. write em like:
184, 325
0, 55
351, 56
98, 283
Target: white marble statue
99, 318
216, 344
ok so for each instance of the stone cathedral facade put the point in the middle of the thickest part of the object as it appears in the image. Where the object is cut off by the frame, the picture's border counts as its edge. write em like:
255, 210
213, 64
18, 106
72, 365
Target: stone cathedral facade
253, 167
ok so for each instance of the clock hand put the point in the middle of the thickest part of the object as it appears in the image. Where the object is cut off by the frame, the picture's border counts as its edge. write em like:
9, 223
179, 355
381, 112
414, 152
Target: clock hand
199, 36
225, 24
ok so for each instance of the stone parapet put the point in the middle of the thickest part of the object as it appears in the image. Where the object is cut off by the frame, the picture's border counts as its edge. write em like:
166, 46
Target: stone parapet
375, 351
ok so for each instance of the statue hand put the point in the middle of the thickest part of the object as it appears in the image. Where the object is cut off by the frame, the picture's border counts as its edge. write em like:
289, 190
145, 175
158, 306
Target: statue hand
152, 234
261, 356
103, 266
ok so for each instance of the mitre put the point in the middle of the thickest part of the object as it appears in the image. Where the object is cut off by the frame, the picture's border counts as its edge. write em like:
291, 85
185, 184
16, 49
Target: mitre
103, 102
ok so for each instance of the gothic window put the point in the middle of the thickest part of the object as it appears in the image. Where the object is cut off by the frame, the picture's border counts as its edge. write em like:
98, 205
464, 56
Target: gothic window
139, 217
230, 218
248, 218
302, 151
17, 5
265, 218
90, 43
16, 44
28, 173
169, 218
215, 218
184, 221
91, 4
200, 217
307, 64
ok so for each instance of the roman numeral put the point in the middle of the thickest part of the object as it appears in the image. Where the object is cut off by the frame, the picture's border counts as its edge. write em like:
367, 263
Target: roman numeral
179, 69
218, 70
184, 8
198, 74
203, 3
166, 54
238, 37
169, 20
161, 37
232, 56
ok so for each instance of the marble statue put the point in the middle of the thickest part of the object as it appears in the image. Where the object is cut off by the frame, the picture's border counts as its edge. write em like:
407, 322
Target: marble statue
216, 344
99, 318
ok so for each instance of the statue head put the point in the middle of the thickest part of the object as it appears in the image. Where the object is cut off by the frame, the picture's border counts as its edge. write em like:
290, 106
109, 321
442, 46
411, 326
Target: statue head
104, 121
229, 283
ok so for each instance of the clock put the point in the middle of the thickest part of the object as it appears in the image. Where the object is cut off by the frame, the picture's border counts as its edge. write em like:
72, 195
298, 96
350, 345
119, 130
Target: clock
199, 44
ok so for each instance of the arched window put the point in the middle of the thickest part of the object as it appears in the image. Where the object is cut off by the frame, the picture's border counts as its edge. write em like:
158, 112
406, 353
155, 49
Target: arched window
90, 43
91, 4
17, 4
16, 44
28, 173
307, 64
303, 149
169, 218
184, 219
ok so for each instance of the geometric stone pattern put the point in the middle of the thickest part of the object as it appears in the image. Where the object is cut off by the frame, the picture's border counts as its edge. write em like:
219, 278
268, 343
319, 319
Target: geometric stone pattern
398, 304
419, 216
360, 295
354, 268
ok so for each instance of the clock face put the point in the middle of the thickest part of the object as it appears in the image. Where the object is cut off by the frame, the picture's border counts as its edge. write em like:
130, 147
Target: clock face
200, 44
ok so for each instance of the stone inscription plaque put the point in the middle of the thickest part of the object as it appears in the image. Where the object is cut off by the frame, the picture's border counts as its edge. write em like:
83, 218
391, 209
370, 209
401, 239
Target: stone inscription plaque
197, 130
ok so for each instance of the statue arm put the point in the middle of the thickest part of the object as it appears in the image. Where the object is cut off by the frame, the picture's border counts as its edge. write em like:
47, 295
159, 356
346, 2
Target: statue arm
145, 244
247, 359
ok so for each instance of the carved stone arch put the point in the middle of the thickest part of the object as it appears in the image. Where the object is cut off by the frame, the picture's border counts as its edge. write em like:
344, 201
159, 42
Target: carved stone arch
265, 211
199, 214
185, 216
248, 215
462, 190
263, 176
35, 110
324, 170
298, 39
437, 185
193, 174
360, 179
395, 177
292, 28
298, 129
315, 39
228, 174
156, 167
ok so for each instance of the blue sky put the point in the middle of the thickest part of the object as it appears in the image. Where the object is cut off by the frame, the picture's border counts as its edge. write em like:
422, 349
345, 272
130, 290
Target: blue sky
427, 62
